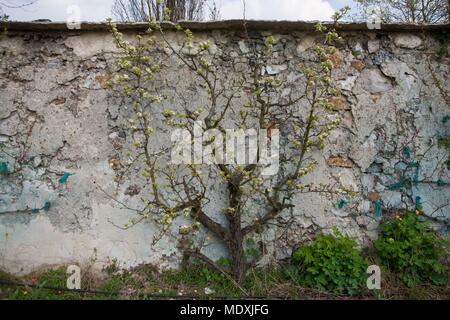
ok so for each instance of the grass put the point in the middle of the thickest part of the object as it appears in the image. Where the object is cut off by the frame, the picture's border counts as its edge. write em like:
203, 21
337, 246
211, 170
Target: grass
145, 281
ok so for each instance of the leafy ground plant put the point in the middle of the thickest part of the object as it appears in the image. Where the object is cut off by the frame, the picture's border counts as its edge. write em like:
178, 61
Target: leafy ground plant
330, 263
410, 248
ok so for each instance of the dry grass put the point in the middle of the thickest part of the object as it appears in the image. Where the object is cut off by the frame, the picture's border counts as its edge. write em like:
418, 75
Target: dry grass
145, 280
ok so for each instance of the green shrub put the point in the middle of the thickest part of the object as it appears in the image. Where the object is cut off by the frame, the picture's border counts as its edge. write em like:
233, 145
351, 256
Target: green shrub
331, 263
408, 247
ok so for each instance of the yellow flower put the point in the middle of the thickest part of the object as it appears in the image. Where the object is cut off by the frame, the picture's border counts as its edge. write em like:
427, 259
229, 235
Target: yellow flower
391, 239
418, 212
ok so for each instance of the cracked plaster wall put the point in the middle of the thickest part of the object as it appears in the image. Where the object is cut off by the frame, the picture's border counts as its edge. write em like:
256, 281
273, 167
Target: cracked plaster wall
55, 118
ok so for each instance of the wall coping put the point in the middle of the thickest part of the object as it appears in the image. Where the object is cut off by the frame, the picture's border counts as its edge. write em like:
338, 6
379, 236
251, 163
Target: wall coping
256, 25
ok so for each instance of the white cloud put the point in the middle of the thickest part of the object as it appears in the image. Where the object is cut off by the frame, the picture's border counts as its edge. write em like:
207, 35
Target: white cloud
277, 9
99, 10
56, 10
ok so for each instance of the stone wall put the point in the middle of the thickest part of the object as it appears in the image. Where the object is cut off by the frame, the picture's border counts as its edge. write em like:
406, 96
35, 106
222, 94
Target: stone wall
56, 119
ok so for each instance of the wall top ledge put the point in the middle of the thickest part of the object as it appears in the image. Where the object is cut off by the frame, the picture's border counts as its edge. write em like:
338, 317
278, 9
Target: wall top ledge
257, 25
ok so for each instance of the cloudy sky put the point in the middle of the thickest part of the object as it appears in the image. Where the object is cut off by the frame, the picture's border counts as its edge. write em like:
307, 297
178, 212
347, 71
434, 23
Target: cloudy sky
99, 10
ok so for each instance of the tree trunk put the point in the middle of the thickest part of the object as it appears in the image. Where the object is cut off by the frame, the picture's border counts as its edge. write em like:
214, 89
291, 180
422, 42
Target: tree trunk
236, 241
181, 14
448, 10
236, 248
172, 7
